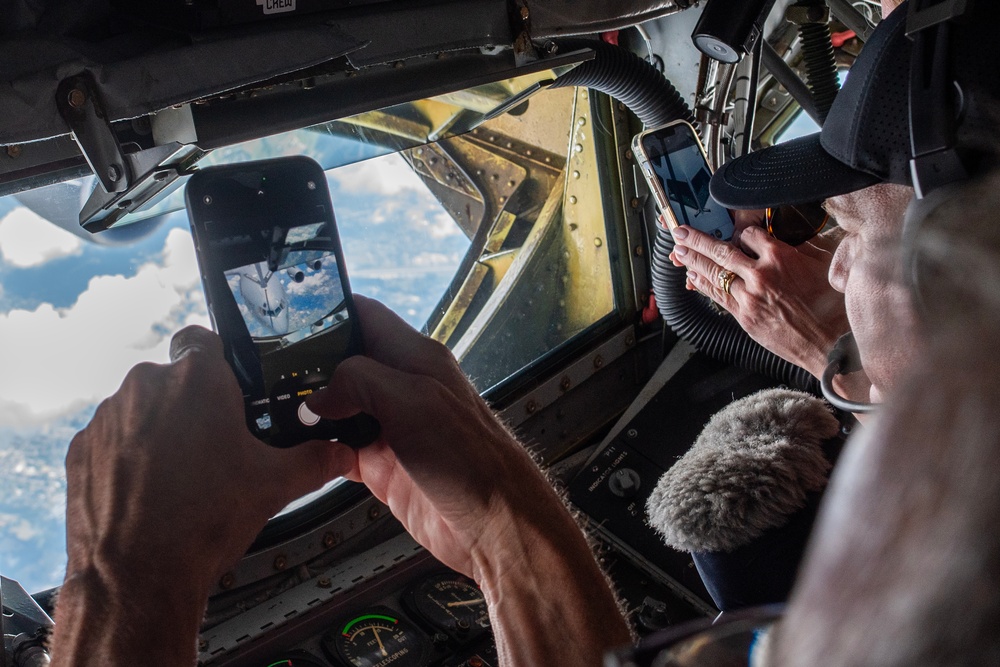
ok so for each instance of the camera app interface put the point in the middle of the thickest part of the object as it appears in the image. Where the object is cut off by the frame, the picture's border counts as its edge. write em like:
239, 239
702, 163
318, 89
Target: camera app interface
293, 308
680, 166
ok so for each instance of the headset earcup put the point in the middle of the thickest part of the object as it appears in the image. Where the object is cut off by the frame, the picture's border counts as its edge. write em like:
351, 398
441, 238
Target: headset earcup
918, 213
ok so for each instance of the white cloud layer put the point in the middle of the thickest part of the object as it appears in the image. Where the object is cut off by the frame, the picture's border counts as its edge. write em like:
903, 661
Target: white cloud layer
386, 175
27, 239
55, 361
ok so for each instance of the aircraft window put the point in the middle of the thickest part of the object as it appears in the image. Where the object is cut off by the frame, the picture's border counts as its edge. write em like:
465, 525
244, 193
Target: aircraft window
493, 241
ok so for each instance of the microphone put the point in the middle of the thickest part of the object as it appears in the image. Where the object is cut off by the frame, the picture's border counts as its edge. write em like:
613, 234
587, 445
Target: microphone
843, 358
743, 499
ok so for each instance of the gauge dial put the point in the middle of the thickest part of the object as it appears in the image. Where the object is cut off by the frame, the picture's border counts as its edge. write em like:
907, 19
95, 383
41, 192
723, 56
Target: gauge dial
450, 602
377, 637
294, 660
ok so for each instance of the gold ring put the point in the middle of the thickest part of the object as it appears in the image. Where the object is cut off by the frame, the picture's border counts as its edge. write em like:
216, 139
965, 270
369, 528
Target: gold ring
725, 280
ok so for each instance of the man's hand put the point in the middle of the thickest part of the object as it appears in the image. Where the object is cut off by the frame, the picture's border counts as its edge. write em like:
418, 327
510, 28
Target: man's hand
780, 296
445, 465
469, 492
166, 488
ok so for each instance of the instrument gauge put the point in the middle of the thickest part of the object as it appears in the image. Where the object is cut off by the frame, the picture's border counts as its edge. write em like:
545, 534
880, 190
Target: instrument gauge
377, 638
450, 602
295, 659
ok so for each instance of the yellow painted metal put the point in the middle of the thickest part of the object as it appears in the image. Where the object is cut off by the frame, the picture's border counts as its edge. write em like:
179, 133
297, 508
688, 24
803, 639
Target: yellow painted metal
589, 294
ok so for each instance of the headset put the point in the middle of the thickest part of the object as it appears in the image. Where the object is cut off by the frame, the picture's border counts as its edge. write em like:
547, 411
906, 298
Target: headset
937, 105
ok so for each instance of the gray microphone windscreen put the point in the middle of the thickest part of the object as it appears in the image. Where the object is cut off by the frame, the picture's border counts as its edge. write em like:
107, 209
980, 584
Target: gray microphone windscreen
753, 466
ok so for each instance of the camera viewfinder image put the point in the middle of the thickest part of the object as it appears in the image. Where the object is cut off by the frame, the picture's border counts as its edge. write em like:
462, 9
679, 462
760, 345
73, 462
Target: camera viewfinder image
302, 297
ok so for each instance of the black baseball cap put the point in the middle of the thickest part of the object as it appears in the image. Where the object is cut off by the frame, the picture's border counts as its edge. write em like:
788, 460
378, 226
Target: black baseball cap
866, 137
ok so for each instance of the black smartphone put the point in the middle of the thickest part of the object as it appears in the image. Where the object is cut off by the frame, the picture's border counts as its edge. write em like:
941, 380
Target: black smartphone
278, 293
673, 162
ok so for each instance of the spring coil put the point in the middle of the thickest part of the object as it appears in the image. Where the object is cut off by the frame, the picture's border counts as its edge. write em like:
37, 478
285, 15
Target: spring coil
821, 66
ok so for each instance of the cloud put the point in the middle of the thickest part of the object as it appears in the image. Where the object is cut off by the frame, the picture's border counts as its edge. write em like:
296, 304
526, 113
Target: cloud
385, 175
55, 361
27, 239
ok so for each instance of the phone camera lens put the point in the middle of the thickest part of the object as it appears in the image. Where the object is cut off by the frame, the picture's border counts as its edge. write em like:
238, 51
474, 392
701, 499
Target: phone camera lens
717, 233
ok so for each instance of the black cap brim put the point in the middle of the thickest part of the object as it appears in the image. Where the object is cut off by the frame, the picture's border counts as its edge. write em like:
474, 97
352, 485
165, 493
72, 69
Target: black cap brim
794, 172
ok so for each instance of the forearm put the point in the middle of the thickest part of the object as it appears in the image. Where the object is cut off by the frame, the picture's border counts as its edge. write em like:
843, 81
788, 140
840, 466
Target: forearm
101, 622
549, 601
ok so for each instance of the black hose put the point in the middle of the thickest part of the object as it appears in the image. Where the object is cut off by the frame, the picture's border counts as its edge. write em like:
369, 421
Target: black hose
654, 100
629, 79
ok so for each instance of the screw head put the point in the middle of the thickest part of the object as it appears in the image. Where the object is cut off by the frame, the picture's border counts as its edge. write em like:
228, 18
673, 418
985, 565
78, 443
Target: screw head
227, 581
329, 540
280, 562
14, 151
114, 173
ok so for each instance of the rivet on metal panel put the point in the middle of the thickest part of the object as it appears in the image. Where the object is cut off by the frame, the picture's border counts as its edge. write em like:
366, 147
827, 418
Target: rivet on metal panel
227, 581
280, 562
374, 512
598, 361
14, 151
565, 383
531, 407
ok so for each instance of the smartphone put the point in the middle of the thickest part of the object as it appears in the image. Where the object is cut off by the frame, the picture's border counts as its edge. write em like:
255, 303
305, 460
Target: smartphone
673, 162
278, 293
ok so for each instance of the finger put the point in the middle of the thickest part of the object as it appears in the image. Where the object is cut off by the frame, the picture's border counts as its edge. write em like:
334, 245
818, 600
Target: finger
700, 264
305, 468
724, 254
711, 289
391, 341
194, 339
362, 384
760, 243
742, 220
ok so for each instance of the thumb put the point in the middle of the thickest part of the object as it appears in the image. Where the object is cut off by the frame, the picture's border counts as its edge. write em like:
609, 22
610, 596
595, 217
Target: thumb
307, 467
195, 339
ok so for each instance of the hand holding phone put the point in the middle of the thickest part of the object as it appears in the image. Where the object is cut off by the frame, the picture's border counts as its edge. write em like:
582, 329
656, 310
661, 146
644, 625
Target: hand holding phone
674, 165
278, 292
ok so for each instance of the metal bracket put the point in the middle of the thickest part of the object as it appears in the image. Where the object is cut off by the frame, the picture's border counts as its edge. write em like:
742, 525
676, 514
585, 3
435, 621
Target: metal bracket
152, 170
127, 181
80, 106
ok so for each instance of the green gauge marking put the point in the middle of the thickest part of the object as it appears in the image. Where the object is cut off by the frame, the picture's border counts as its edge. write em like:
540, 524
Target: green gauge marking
367, 617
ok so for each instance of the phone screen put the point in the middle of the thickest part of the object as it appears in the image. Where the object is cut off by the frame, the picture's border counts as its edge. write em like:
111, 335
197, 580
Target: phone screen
679, 164
277, 289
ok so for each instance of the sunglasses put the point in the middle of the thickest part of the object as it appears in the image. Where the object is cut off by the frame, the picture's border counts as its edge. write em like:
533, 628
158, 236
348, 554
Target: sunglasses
795, 224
